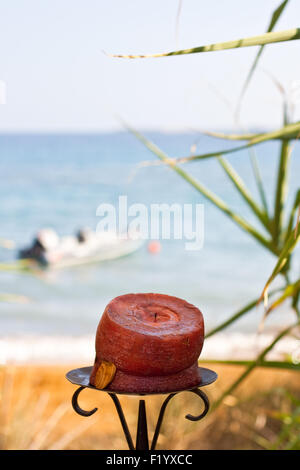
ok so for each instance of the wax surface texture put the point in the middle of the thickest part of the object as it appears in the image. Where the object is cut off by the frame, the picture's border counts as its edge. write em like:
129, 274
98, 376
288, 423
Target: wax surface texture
154, 340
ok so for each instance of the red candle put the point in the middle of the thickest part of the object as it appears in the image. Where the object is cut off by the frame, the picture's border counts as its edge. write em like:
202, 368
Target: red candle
153, 340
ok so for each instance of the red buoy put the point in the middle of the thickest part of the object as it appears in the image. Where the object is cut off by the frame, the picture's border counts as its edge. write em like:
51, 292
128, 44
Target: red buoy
154, 247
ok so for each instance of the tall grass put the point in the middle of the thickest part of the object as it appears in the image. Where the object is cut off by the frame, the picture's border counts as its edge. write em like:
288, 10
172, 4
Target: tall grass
36, 413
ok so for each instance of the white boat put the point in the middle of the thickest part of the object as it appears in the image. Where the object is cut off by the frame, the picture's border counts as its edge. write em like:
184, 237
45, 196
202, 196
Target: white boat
52, 251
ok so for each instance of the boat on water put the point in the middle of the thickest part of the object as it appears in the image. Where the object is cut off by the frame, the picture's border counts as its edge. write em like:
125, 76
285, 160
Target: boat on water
51, 251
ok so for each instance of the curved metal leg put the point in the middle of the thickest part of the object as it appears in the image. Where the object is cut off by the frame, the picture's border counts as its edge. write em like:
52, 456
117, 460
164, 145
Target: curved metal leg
77, 408
123, 420
206, 405
142, 434
160, 420
190, 417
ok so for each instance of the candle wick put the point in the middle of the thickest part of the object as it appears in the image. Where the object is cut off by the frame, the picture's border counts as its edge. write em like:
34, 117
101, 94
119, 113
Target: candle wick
155, 315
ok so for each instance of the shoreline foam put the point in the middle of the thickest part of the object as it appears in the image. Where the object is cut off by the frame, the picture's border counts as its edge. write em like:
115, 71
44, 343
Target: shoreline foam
70, 349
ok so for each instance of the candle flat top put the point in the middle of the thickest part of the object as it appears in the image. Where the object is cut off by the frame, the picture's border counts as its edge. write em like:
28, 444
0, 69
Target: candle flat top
154, 314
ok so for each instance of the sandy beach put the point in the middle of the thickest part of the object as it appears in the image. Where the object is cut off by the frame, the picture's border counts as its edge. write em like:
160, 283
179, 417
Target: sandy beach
37, 398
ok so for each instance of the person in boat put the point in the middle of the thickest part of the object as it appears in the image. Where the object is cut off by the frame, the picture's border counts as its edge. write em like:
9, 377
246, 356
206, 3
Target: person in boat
84, 234
48, 248
46, 239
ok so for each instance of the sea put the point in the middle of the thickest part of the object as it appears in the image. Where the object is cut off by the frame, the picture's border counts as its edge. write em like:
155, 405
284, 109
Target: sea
59, 181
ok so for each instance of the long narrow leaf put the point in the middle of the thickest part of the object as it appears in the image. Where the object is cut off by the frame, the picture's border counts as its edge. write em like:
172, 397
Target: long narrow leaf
289, 131
223, 136
297, 222
269, 364
281, 189
291, 290
283, 258
275, 17
244, 192
218, 153
292, 215
191, 158
267, 38
237, 315
258, 180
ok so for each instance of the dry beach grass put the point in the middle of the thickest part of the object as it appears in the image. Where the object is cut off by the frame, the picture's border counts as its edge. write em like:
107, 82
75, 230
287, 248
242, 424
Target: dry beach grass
36, 412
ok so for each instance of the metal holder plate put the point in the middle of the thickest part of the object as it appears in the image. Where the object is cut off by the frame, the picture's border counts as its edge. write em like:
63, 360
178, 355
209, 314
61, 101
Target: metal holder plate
81, 377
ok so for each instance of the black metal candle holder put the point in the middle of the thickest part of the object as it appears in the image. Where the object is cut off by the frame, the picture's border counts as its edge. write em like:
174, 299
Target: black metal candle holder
81, 377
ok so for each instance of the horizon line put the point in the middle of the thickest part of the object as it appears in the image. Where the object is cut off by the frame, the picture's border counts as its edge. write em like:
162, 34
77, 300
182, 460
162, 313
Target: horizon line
123, 131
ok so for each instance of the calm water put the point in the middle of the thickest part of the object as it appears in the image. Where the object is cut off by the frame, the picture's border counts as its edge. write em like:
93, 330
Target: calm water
59, 181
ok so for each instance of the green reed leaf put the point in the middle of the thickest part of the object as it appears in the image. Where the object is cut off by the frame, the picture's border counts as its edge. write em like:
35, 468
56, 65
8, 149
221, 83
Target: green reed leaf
238, 315
291, 290
267, 38
244, 192
291, 131
281, 190
269, 364
283, 258
258, 180
287, 132
275, 17
292, 215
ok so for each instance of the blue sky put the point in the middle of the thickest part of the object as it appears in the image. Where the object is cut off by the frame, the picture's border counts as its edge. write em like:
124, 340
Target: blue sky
58, 78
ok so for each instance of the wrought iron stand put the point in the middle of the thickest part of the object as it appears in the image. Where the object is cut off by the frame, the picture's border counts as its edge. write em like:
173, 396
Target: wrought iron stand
81, 377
